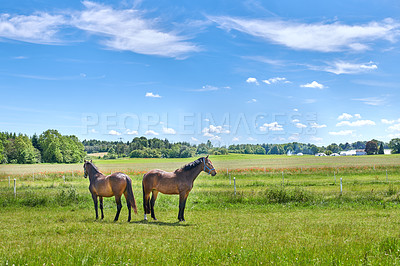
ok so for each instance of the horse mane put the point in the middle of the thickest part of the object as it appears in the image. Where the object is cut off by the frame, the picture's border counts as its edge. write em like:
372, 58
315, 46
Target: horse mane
94, 166
191, 165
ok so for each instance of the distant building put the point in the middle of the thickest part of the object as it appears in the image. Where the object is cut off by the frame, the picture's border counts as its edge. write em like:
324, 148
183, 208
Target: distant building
320, 154
353, 153
335, 154
300, 154
360, 152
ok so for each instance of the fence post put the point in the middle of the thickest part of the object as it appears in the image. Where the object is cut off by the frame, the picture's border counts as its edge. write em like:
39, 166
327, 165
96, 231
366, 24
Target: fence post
33, 176
9, 183
334, 174
15, 187
234, 185
230, 179
64, 178
341, 187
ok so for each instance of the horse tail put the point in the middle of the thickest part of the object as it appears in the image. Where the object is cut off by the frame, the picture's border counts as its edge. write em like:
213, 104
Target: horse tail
146, 205
131, 198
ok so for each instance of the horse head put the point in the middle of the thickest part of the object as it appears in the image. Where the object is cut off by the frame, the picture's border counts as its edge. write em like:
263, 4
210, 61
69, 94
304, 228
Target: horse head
85, 166
208, 167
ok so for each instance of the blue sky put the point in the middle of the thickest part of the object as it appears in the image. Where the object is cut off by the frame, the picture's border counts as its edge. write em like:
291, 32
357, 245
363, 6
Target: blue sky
230, 71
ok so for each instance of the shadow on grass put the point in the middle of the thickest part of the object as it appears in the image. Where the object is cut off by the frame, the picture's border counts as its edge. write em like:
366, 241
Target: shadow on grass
161, 223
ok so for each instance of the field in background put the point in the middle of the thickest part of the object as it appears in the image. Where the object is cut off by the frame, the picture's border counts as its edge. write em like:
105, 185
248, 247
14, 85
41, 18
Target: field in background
286, 210
221, 162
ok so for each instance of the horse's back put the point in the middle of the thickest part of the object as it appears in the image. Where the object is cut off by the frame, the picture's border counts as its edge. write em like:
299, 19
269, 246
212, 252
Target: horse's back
115, 184
165, 182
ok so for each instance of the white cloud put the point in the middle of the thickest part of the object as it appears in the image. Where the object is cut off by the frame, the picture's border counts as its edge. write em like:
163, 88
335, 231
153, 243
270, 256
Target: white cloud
274, 126
208, 88
41, 28
316, 125
294, 137
342, 133
251, 139
300, 125
295, 110
358, 123
308, 101
131, 132
252, 101
252, 80
166, 130
114, 133
151, 132
358, 116
389, 122
295, 120
316, 139
127, 30
322, 37
345, 116
152, 95
275, 80
120, 29
235, 139
215, 130
374, 101
341, 67
93, 131
395, 127
313, 84
194, 139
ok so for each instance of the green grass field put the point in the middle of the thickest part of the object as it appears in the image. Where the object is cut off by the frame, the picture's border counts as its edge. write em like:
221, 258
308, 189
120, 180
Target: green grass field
300, 218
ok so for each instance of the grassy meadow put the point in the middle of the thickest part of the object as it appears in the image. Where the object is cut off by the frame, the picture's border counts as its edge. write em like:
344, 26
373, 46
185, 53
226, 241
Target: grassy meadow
287, 210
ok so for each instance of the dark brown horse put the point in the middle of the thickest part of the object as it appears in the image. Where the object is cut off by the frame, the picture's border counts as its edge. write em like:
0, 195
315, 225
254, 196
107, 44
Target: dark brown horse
178, 182
115, 184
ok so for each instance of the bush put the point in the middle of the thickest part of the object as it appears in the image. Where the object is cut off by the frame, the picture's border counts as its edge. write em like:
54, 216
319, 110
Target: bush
282, 195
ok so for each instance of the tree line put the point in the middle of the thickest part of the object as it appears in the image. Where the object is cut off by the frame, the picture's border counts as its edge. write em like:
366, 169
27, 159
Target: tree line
52, 147
141, 147
48, 147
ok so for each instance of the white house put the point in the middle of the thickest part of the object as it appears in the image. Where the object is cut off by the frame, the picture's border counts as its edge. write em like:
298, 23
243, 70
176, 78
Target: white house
353, 153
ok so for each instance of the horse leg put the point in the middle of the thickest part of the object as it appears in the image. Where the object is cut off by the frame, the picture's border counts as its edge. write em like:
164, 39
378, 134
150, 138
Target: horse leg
182, 203
128, 204
152, 201
101, 207
146, 204
119, 207
94, 196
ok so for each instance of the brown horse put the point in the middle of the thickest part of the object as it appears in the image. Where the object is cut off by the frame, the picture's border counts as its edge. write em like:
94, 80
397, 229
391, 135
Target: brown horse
115, 184
178, 182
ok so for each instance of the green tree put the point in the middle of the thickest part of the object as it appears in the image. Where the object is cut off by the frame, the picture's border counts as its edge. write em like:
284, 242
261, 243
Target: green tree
26, 153
371, 147
276, 149
259, 150
1, 152
381, 149
334, 148
394, 144
60, 149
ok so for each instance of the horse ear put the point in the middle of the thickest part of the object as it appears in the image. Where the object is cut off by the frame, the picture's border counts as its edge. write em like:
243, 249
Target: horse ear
84, 161
207, 157
90, 160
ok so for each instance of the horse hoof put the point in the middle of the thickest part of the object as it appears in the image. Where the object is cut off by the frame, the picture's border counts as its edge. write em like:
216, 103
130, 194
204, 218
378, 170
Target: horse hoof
155, 219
